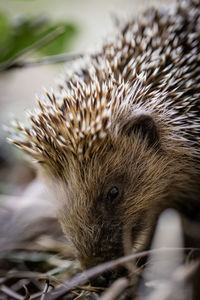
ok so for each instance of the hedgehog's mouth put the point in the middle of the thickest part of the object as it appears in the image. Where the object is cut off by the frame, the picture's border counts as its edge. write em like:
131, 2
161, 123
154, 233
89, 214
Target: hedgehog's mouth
108, 277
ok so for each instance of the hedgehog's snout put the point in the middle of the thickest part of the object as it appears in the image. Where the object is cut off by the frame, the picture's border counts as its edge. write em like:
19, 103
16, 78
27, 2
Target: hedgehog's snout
108, 277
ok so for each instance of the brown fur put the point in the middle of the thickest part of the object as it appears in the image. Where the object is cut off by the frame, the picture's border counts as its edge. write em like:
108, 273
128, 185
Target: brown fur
149, 181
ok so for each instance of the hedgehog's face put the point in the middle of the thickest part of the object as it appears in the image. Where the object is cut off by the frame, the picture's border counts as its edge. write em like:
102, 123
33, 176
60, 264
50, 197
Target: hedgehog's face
109, 202
106, 163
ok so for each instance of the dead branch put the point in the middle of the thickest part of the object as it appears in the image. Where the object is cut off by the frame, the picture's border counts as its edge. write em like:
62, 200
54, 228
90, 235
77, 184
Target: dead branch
115, 289
80, 278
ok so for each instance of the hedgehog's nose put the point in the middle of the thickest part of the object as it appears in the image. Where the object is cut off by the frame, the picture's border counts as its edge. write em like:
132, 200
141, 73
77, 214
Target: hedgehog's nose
108, 277
103, 280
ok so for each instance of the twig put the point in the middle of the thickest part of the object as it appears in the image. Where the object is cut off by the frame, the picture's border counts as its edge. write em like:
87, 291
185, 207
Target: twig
185, 272
46, 287
166, 290
62, 290
28, 274
10, 292
115, 289
18, 285
90, 288
37, 45
53, 59
27, 295
35, 295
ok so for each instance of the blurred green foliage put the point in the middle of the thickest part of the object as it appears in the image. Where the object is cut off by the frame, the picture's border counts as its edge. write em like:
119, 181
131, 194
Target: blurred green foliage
23, 33
61, 43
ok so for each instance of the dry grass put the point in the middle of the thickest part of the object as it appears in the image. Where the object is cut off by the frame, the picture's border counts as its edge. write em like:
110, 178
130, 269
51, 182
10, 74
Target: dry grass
41, 265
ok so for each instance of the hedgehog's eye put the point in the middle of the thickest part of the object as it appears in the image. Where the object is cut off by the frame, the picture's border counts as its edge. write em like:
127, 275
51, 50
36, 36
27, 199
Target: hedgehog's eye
112, 194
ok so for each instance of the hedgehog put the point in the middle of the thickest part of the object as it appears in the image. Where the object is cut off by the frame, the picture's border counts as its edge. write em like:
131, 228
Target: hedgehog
118, 140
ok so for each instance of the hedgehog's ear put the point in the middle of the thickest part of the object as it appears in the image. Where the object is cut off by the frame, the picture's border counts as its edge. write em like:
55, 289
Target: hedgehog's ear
143, 124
